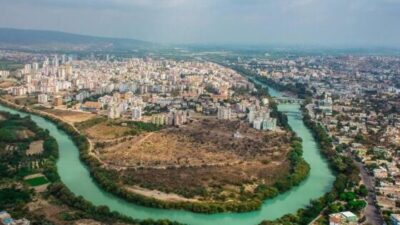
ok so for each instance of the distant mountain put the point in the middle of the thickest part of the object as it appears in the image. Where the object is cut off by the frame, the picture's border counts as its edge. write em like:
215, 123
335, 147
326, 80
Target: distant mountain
60, 41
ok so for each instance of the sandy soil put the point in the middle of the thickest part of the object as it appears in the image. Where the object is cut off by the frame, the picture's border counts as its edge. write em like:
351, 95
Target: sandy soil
192, 145
49, 211
103, 131
7, 84
70, 116
161, 150
158, 194
24, 133
35, 147
33, 176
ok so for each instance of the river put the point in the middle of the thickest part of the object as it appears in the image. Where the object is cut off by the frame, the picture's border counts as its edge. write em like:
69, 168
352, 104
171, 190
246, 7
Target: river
76, 177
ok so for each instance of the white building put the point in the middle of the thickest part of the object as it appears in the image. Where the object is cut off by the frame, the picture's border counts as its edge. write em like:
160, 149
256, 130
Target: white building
269, 124
19, 91
4, 74
42, 98
136, 113
27, 69
257, 123
35, 66
224, 113
251, 115
113, 112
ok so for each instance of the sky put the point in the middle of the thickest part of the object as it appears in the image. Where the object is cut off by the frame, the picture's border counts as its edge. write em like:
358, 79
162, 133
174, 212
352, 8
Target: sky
345, 23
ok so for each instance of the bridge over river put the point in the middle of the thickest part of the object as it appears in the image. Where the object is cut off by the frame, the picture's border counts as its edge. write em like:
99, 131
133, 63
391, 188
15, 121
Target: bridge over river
288, 100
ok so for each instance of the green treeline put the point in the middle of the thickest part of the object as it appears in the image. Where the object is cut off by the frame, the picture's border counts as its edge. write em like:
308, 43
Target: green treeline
58, 189
100, 213
107, 179
347, 174
18, 132
298, 88
346, 177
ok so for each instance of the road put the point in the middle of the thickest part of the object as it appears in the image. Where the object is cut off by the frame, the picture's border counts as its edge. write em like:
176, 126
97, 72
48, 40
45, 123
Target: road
372, 213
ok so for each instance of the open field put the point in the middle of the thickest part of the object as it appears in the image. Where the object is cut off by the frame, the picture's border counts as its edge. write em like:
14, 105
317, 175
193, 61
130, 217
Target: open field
7, 83
105, 130
69, 115
102, 130
37, 181
196, 145
21, 100
207, 183
35, 147
193, 162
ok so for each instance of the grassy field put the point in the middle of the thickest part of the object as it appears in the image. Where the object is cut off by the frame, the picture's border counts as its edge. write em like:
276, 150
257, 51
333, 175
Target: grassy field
37, 181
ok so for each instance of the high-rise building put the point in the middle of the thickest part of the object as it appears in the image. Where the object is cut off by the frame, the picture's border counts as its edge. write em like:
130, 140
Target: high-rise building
35, 66
42, 98
55, 61
27, 68
136, 113
113, 112
251, 115
269, 124
257, 123
224, 113
28, 79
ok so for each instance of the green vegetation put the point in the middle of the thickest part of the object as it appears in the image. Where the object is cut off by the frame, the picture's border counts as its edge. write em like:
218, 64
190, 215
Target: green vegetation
107, 178
12, 196
15, 192
100, 213
10, 65
37, 181
16, 133
56, 188
138, 127
346, 178
89, 123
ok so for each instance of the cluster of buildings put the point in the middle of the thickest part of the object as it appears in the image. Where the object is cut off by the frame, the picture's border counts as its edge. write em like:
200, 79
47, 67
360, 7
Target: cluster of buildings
4, 74
258, 115
260, 118
6, 219
357, 99
160, 91
343, 218
173, 118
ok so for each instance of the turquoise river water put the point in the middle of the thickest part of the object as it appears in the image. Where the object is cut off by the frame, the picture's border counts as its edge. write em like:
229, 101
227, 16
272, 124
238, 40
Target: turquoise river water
76, 177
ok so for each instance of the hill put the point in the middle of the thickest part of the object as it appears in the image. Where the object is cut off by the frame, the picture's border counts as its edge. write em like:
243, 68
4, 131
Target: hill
61, 41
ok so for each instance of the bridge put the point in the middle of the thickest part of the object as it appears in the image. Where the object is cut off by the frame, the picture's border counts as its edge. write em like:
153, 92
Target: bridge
288, 100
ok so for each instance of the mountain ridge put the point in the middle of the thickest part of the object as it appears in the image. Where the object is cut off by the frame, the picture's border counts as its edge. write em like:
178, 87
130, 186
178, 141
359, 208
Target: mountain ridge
12, 38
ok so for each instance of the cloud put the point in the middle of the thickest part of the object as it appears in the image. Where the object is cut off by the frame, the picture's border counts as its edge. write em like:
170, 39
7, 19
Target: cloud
326, 22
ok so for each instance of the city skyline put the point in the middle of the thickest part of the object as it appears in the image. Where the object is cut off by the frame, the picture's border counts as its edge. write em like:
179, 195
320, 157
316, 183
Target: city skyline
328, 23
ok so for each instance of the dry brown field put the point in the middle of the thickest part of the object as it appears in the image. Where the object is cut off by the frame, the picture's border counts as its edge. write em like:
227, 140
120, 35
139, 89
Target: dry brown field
7, 83
35, 147
70, 116
106, 131
194, 161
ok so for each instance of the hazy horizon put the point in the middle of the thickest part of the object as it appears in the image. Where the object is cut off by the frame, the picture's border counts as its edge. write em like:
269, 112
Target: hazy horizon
356, 23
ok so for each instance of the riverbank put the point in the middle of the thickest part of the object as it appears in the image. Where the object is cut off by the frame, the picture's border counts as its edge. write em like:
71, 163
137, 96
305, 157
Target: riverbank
346, 172
60, 191
77, 178
107, 178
